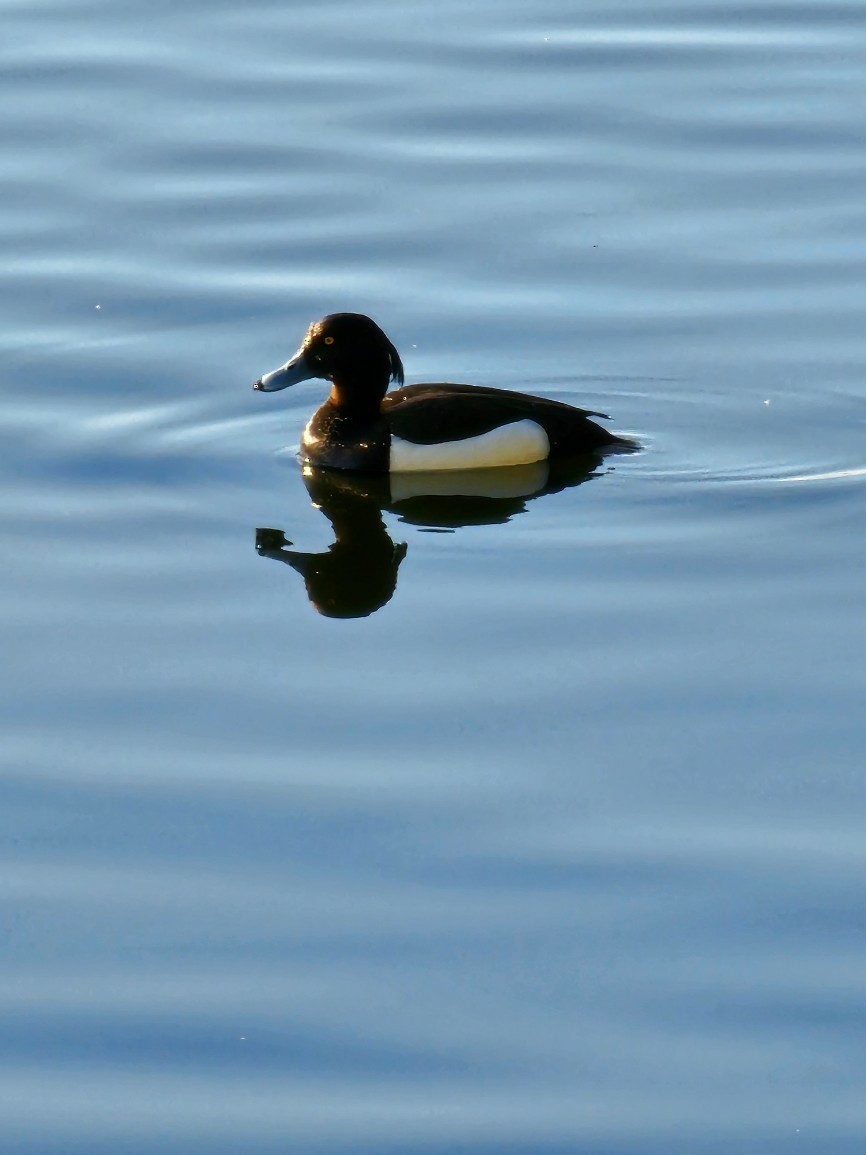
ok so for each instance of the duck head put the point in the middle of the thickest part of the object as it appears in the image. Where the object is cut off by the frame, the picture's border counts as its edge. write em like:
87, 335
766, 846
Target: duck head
347, 349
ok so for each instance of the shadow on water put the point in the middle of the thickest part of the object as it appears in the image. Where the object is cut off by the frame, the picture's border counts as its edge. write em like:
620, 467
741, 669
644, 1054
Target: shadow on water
357, 574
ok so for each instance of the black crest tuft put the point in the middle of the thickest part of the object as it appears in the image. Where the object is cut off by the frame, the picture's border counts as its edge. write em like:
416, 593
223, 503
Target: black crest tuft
367, 342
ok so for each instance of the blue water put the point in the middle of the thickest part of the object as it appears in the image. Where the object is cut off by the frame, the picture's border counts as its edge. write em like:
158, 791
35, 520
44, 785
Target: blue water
543, 834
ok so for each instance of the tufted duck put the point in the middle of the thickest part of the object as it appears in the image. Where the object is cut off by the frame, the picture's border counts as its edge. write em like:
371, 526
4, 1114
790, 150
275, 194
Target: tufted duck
421, 427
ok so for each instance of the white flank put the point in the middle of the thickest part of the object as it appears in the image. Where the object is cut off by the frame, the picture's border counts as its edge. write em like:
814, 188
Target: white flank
520, 443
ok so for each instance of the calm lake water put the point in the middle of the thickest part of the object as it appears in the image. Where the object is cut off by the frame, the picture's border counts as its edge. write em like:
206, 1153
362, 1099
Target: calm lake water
517, 821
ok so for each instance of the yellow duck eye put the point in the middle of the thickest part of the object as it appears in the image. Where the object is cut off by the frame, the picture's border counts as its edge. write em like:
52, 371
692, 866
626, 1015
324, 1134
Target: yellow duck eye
329, 340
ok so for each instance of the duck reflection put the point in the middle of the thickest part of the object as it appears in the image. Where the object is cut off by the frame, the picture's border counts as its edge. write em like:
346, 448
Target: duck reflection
357, 574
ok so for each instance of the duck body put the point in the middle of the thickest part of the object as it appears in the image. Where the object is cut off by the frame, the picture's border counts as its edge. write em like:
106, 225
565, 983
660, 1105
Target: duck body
426, 427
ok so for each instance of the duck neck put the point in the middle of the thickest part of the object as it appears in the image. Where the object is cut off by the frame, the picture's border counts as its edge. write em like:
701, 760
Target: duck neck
358, 398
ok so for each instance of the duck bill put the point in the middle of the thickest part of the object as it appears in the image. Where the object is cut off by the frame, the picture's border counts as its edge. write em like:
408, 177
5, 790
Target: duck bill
295, 370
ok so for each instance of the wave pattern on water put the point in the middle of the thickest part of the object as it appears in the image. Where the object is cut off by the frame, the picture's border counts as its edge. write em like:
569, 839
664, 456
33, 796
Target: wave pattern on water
573, 821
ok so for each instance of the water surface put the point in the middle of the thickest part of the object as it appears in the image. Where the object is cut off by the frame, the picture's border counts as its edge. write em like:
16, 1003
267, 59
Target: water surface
558, 848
